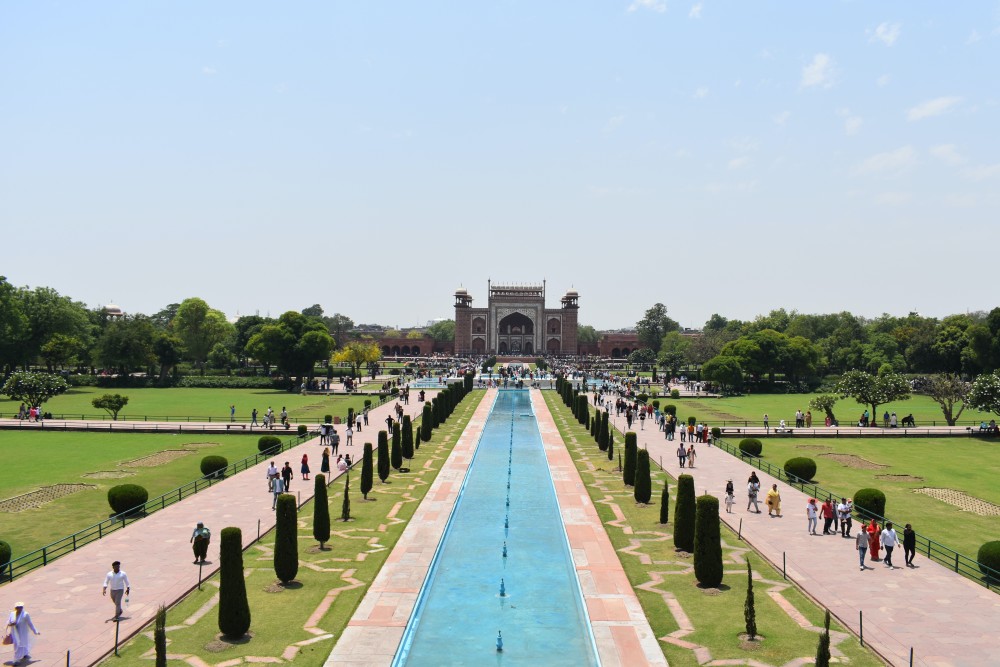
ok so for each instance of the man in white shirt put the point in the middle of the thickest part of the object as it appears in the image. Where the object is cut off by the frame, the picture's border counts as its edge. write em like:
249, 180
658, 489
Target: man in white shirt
844, 512
118, 582
889, 541
272, 474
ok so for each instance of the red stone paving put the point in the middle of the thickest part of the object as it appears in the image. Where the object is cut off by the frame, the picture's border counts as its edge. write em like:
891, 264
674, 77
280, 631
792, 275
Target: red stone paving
64, 598
946, 618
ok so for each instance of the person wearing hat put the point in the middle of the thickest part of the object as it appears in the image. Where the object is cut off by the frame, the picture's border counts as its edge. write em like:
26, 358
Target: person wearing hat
118, 582
730, 498
18, 625
200, 539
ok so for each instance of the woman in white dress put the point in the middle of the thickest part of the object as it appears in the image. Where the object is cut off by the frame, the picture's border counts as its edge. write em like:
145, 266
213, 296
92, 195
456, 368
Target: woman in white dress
21, 630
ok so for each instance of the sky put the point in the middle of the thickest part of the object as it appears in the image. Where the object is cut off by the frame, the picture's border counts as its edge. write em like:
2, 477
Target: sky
718, 157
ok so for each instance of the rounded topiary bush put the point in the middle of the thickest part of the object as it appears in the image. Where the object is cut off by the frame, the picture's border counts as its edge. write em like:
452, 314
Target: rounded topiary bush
869, 502
656, 404
214, 466
802, 467
268, 443
675, 393
988, 557
716, 432
5, 555
642, 398
327, 419
127, 497
302, 429
670, 409
751, 446
692, 421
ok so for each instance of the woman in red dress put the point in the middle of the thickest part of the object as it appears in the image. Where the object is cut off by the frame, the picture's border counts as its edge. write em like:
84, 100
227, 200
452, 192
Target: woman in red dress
873, 539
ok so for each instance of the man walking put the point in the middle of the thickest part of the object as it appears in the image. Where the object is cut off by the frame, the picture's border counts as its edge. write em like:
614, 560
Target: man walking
861, 543
889, 542
909, 545
253, 418
349, 435
277, 489
117, 581
200, 539
286, 476
334, 441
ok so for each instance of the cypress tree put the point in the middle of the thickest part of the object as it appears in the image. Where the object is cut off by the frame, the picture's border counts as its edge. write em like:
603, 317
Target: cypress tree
321, 511
643, 483
234, 610
436, 412
582, 409
593, 426
416, 439
345, 509
823, 646
611, 451
665, 504
407, 437
467, 382
707, 542
286, 538
396, 452
367, 471
383, 456
426, 423
160, 636
684, 512
631, 448
604, 435
749, 611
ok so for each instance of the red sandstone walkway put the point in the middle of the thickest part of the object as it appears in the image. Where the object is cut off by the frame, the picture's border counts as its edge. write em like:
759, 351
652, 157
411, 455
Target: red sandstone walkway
945, 618
64, 598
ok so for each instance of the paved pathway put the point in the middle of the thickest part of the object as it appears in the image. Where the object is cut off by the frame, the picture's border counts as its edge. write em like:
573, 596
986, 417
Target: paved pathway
64, 598
944, 617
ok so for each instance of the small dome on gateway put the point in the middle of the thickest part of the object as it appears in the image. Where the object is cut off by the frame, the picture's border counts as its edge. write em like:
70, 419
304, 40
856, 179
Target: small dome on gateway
461, 290
572, 292
113, 310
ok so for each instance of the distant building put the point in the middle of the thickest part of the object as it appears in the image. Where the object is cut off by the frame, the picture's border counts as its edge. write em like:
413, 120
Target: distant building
114, 312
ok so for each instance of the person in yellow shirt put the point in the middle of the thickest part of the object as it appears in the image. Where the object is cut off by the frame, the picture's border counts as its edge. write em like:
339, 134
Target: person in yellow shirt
773, 501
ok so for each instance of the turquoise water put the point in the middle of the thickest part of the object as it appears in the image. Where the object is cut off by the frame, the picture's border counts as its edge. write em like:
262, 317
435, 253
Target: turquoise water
460, 610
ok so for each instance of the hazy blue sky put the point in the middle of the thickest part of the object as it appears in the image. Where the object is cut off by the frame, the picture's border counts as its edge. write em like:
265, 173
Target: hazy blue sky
728, 157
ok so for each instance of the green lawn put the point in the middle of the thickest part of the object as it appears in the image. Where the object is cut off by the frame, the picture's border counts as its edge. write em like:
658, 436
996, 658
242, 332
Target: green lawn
341, 574
717, 619
58, 457
201, 403
966, 464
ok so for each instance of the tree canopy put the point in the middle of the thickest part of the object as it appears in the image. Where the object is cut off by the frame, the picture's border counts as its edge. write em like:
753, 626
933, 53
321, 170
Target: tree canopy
358, 353
443, 331
200, 328
33, 388
294, 343
654, 325
873, 390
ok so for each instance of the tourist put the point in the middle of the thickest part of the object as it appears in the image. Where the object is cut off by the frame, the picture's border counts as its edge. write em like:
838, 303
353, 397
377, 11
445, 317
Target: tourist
335, 441
753, 488
324, 464
272, 474
284, 416
305, 467
18, 625
766, 428
277, 489
358, 420
844, 512
889, 542
341, 464
200, 538
809, 418
347, 460
119, 584
773, 501
691, 456
681, 455
232, 414
811, 516
286, 475
730, 497
827, 516
642, 420
885, 419
349, 435
909, 545
893, 420
873, 535
861, 543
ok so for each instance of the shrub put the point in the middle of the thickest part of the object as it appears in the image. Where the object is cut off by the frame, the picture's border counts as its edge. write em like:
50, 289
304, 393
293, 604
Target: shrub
396, 452
234, 610
869, 503
383, 456
988, 557
267, 444
407, 442
5, 555
302, 429
749, 609
286, 539
823, 644
684, 513
665, 503
692, 421
670, 409
675, 394
367, 471
214, 466
707, 542
643, 485
226, 382
631, 448
426, 423
160, 636
321, 511
802, 467
656, 404
327, 419
368, 403
642, 398
110, 403
751, 446
127, 497
716, 433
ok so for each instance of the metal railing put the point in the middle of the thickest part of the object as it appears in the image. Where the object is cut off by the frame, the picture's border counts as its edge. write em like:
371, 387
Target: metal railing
967, 567
70, 543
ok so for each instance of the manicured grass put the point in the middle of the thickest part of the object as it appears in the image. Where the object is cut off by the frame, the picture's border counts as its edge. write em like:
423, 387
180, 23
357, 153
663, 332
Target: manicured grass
198, 403
965, 464
717, 619
357, 551
58, 457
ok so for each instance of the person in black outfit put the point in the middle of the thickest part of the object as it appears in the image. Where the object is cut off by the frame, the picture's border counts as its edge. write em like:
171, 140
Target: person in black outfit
286, 474
909, 545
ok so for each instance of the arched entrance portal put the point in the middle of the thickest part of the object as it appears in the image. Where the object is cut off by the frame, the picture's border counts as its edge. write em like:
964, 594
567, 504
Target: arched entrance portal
516, 334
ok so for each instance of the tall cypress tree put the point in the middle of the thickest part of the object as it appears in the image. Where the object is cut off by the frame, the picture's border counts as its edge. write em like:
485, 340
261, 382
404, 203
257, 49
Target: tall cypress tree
436, 417
643, 483
407, 437
749, 610
286, 538
383, 456
396, 453
345, 508
321, 511
707, 542
234, 609
160, 636
367, 471
823, 646
684, 513
604, 435
631, 448
426, 423
665, 504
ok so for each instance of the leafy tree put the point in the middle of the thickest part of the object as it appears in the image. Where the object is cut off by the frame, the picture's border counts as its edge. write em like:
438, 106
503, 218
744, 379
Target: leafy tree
407, 442
61, 350
654, 326
339, 327
442, 331
684, 514
358, 354
294, 344
873, 390
707, 346
825, 402
200, 328
13, 326
984, 395
126, 344
286, 538
221, 357
169, 351
367, 471
707, 542
383, 456
314, 310
321, 511
33, 388
234, 609
642, 357
725, 370
749, 610
161, 319
48, 313
946, 390
673, 349
414, 334
246, 326
396, 450
587, 334
643, 484
111, 403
